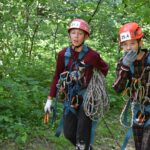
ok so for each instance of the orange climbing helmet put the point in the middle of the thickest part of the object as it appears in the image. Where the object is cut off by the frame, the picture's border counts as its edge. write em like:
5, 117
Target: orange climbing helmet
130, 31
79, 24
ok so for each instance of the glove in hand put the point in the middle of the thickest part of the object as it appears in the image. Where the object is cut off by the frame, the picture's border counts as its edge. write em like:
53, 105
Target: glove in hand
129, 58
48, 106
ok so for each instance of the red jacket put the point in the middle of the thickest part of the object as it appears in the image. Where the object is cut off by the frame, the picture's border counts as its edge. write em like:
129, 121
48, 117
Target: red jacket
91, 58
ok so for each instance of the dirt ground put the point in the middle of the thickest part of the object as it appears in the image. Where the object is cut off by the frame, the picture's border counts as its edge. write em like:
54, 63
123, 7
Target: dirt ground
43, 144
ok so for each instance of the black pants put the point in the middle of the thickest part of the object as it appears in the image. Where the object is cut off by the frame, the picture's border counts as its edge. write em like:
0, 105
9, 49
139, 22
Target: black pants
141, 137
77, 128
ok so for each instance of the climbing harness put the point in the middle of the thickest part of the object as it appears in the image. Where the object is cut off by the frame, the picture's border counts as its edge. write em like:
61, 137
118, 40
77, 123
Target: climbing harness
136, 93
96, 98
70, 85
136, 96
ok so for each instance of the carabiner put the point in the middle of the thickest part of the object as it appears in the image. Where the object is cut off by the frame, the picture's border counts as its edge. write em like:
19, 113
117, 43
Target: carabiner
46, 118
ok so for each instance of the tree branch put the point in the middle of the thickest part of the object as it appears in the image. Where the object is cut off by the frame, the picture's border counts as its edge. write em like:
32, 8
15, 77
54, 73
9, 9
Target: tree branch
33, 37
95, 11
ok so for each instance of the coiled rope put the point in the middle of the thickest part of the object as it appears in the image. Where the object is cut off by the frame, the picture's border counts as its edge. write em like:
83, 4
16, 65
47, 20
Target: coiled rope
141, 97
96, 98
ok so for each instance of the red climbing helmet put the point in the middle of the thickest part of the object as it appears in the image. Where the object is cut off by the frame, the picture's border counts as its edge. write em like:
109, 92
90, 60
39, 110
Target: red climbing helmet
79, 24
130, 31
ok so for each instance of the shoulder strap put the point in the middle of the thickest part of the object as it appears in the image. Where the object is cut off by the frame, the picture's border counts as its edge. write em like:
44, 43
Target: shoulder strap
148, 58
81, 54
126, 139
67, 56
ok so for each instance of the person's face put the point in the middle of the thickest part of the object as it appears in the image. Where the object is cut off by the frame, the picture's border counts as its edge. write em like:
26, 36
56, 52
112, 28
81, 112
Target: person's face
77, 36
130, 45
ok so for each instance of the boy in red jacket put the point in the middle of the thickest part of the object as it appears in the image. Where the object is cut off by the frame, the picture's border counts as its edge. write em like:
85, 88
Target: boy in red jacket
75, 65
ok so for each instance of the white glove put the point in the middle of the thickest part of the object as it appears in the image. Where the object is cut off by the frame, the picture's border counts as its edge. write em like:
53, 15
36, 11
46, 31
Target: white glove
47, 107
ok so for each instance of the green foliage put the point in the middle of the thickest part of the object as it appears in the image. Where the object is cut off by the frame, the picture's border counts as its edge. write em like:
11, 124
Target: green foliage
32, 32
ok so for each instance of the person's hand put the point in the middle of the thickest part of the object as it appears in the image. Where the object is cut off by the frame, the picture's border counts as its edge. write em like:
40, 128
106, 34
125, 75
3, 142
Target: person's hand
129, 58
48, 105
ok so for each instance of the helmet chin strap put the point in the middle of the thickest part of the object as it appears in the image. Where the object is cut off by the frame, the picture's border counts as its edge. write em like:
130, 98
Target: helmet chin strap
139, 47
78, 45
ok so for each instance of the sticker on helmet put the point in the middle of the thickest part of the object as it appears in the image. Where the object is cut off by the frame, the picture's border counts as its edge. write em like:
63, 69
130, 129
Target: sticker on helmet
75, 24
125, 36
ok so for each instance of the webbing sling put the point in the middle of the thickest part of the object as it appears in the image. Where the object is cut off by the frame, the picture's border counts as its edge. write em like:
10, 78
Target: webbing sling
127, 137
73, 89
94, 125
130, 131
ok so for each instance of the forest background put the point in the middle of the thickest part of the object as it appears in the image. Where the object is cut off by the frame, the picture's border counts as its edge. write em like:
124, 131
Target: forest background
32, 32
